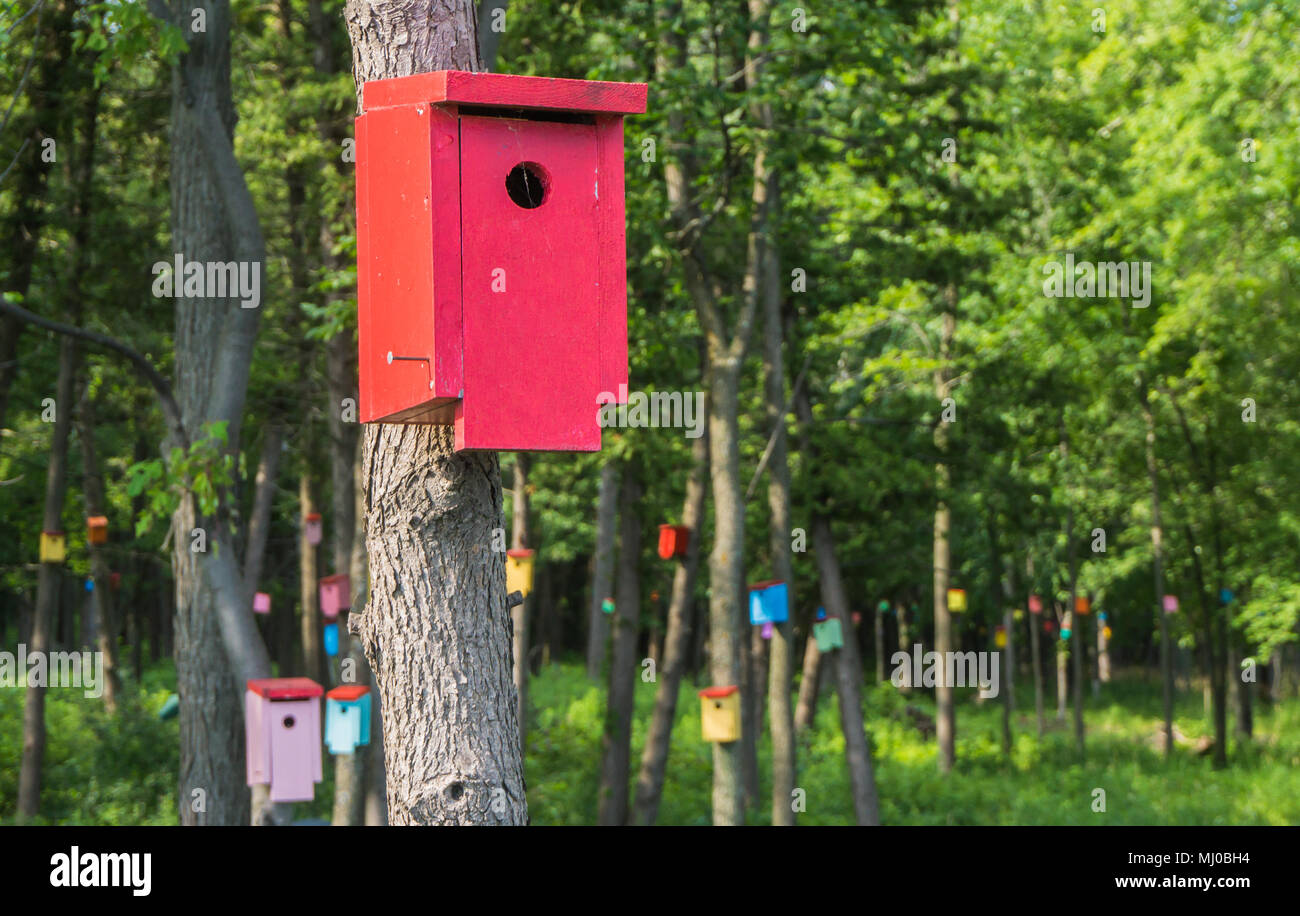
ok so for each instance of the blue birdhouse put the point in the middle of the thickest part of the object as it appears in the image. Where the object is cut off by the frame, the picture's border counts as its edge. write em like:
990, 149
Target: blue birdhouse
1226, 595
331, 639
769, 602
347, 718
821, 614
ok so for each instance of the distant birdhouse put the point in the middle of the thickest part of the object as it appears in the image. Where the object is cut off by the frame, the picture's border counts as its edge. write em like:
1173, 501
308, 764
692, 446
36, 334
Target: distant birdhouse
1171, 604
1035, 604
1226, 595
883, 607
607, 605
767, 630
1000, 637
283, 738
519, 571
956, 600
829, 634
312, 528
330, 638
1065, 632
97, 529
857, 617
819, 614
335, 594
261, 603
491, 255
53, 546
1082, 605
769, 602
347, 718
1048, 627
115, 580
673, 541
720, 714
1105, 633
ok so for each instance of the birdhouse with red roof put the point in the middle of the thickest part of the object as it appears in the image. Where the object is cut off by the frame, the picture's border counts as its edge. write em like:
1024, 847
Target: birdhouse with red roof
282, 732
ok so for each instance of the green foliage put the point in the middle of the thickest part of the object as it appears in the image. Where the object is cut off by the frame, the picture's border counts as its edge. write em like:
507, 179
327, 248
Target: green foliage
204, 470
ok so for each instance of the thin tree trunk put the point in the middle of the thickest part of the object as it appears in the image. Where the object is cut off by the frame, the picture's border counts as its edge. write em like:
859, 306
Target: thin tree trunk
946, 718
617, 758
654, 757
603, 568
1158, 567
101, 597
809, 683
313, 639
47, 588
1035, 625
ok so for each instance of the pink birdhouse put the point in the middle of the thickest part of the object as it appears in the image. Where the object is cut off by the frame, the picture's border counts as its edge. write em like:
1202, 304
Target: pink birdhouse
261, 603
491, 255
335, 594
282, 736
312, 528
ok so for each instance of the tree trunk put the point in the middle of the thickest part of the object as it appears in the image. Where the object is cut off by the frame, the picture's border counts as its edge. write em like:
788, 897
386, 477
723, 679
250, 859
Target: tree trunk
313, 639
654, 757
617, 758
946, 717
47, 588
520, 612
603, 572
101, 597
1158, 567
809, 684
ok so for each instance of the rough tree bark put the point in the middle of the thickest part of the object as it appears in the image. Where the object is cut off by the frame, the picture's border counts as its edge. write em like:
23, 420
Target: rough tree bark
809, 683
520, 613
654, 757
435, 629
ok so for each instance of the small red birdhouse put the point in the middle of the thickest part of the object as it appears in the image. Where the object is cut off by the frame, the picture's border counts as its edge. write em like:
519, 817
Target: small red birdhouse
1035, 604
673, 541
491, 255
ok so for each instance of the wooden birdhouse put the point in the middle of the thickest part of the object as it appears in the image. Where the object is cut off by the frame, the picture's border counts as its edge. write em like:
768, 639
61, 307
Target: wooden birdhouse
283, 738
330, 639
1082, 605
1035, 604
54, 546
1105, 633
1226, 595
261, 603
720, 713
335, 594
673, 541
769, 602
1000, 637
519, 571
491, 255
956, 600
114, 580
829, 634
607, 606
1171, 604
97, 529
312, 528
347, 718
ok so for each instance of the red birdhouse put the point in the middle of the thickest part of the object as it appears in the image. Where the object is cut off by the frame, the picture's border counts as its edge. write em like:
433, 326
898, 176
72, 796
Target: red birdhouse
673, 541
491, 255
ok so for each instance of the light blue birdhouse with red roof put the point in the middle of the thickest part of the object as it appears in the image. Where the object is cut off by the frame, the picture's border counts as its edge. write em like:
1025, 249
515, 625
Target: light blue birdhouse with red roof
769, 602
347, 718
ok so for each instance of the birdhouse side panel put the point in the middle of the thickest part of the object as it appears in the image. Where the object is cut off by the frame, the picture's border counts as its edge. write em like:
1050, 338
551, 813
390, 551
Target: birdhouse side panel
613, 256
530, 285
257, 745
408, 249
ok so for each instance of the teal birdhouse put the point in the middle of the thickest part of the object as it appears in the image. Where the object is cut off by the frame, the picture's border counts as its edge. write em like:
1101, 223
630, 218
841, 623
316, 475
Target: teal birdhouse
829, 634
769, 602
347, 718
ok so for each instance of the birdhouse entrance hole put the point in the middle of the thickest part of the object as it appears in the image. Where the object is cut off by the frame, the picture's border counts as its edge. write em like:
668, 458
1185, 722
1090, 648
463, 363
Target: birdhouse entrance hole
528, 185
288, 721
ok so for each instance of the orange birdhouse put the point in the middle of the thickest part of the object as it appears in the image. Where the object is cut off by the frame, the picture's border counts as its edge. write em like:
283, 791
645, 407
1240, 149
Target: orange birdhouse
1082, 605
673, 541
97, 529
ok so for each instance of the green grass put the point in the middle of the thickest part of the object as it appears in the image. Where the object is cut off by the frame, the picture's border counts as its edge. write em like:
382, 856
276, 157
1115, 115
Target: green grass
101, 770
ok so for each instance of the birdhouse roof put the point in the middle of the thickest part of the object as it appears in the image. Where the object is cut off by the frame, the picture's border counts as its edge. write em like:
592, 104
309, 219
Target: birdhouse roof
521, 552
285, 688
313, 516
337, 577
97, 520
759, 586
501, 90
715, 692
348, 692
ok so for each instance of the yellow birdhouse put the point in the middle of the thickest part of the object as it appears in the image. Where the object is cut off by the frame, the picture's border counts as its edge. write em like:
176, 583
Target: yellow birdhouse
97, 529
956, 600
53, 546
1000, 637
720, 713
519, 571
